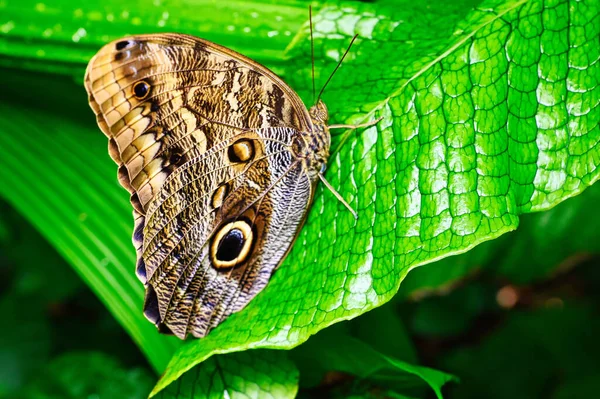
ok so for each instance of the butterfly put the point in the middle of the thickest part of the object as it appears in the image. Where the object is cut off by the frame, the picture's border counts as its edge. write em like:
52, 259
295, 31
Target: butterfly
221, 159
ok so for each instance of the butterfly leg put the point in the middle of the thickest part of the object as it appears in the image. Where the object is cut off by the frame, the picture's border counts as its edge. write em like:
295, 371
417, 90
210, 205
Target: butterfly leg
344, 138
352, 128
338, 195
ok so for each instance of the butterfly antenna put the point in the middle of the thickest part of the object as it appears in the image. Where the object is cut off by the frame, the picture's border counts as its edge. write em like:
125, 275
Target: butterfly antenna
336, 68
338, 195
312, 50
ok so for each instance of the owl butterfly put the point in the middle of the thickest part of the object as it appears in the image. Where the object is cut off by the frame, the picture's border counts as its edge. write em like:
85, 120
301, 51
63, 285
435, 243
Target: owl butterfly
221, 159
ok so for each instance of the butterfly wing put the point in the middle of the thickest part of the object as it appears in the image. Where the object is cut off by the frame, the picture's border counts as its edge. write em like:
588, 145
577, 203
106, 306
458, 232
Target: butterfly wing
201, 272
202, 138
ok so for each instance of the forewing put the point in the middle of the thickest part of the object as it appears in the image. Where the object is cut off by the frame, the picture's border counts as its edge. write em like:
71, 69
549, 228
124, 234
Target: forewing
165, 99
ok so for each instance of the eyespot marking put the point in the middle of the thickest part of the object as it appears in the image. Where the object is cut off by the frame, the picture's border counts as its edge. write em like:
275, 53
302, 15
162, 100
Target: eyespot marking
176, 159
219, 195
232, 244
141, 89
122, 44
241, 151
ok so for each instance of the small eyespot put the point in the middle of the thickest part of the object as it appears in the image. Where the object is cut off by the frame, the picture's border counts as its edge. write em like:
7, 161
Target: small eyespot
219, 195
176, 159
141, 90
122, 44
118, 56
154, 107
241, 151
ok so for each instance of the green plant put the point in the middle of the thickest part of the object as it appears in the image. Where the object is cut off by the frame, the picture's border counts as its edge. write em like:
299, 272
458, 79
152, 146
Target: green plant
490, 111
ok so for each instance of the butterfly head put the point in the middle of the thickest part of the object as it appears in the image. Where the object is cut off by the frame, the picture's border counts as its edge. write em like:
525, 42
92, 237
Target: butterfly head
319, 113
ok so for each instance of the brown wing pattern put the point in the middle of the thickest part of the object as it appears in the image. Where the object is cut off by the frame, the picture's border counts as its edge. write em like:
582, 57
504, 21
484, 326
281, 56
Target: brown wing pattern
194, 294
202, 138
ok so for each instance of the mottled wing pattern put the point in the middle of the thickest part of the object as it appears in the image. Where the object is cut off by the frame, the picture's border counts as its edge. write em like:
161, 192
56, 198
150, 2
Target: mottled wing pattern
202, 138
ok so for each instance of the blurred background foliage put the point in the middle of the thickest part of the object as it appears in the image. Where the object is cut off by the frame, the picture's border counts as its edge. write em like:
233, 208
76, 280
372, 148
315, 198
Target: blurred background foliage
516, 317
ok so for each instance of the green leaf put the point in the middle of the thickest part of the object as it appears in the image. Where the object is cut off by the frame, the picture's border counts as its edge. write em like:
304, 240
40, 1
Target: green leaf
87, 375
335, 351
60, 36
496, 120
392, 337
250, 374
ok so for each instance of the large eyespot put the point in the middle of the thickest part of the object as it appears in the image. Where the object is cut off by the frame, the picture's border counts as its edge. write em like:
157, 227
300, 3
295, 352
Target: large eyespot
232, 244
141, 89
241, 151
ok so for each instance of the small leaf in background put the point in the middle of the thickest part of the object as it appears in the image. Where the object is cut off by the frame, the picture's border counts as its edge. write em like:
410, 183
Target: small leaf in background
385, 332
334, 350
251, 374
24, 342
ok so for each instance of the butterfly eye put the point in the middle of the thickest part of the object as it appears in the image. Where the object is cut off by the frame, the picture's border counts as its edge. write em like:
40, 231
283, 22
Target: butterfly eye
323, 168
231, 245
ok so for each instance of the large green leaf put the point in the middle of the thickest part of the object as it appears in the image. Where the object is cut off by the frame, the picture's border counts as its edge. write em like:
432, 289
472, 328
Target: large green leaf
487, 114
70, 196
251, 374
498, 119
